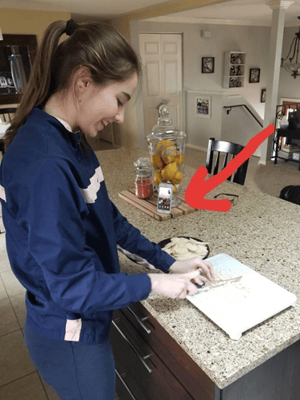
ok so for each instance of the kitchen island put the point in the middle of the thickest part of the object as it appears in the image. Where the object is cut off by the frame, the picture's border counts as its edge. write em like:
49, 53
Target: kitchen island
194, 357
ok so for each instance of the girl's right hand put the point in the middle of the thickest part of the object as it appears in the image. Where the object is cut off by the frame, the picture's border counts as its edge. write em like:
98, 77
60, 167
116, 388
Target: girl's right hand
176, 285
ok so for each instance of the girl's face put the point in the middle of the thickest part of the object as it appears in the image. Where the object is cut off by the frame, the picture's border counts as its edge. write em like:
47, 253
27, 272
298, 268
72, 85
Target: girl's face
97, 106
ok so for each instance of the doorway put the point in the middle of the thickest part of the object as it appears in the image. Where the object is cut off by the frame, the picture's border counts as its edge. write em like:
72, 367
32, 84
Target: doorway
162, 77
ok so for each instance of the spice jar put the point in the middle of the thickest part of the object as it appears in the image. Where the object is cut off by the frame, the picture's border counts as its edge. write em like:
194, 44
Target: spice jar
166, 146
143, 178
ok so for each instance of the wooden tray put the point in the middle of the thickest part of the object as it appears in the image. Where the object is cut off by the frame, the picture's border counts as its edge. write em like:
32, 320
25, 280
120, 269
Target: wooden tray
149, 206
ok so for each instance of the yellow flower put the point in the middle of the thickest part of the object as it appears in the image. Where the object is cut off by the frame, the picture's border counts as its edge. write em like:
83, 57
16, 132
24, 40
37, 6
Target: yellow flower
164, 144
157, 178
177, 178
169, 154
168, 159
157, 162
179, 159
169, 171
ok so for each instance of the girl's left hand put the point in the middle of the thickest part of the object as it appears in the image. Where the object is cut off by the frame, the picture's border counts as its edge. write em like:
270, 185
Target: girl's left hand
182, 267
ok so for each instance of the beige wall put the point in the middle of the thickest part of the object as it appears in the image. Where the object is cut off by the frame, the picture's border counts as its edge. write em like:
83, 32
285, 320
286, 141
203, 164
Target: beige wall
14, 21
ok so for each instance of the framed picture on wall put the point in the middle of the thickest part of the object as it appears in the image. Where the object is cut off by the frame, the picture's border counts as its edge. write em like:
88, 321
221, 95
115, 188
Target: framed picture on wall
203, 106
254, 75
263, 95
208, 65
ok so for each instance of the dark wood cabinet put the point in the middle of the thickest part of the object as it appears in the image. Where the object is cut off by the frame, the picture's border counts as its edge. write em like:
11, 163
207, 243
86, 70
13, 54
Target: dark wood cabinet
150, 364
24, 41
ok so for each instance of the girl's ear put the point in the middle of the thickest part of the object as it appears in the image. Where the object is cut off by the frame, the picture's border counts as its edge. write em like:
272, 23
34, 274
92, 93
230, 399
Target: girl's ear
82, 78
82, 83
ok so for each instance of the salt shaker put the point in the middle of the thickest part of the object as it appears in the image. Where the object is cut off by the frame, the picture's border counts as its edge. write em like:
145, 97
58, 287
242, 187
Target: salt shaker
143, 178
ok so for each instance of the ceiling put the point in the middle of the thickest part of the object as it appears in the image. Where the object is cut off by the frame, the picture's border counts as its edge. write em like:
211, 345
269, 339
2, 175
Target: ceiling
235, 12
231, 12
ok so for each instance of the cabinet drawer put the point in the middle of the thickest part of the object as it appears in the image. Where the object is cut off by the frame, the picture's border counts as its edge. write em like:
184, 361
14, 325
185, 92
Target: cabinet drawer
122, 388
144, 373
186, 371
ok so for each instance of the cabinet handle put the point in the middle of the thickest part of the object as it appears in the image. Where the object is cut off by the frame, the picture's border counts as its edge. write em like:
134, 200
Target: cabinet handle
140, 320
142, 359
124, 384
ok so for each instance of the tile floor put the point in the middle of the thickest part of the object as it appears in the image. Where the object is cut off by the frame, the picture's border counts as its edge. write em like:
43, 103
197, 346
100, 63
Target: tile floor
19, 379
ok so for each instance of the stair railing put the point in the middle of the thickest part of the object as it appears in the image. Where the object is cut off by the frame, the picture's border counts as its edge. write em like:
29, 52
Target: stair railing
228, 109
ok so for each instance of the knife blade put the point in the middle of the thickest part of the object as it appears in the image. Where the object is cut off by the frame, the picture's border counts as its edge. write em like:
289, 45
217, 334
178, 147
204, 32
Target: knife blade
219, 283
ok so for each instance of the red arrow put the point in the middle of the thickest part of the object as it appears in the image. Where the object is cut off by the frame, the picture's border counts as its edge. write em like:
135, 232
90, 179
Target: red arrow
199, 187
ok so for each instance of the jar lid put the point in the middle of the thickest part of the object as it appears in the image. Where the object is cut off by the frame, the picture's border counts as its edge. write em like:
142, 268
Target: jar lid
164, 129
142, 163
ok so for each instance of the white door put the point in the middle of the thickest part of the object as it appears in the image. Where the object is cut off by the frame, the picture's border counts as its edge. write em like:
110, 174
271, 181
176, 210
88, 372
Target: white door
162, 76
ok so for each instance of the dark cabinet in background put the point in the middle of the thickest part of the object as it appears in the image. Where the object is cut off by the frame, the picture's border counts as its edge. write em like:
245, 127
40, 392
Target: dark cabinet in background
17, 54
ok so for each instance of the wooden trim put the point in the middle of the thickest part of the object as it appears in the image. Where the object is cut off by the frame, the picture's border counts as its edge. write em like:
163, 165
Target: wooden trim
10, 98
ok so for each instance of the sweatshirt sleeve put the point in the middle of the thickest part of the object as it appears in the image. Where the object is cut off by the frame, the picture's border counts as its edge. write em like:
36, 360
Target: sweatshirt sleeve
134, 243
50, 208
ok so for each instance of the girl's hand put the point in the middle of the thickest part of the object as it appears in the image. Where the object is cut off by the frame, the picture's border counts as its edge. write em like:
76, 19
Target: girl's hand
176, 285
181, 267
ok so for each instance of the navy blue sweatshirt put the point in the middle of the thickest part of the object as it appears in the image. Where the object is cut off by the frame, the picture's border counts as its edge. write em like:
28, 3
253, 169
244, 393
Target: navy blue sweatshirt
62, 233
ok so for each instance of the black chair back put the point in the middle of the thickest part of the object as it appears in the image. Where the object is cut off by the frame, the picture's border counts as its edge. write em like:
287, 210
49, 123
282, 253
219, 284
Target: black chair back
7, 114
230, 150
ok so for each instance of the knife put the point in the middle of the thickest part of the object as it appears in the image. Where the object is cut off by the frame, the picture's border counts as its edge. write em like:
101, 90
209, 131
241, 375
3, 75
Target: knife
218, 283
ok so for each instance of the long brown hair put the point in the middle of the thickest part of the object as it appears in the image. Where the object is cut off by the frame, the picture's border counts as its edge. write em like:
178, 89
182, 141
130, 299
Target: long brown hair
99, 47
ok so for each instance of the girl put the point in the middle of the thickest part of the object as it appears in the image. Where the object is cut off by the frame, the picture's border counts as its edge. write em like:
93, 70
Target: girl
62, 230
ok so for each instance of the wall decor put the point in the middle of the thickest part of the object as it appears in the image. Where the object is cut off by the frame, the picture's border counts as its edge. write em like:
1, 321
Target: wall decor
234, 82
234, 69
203, 106
254, 75
208, 65
263, 95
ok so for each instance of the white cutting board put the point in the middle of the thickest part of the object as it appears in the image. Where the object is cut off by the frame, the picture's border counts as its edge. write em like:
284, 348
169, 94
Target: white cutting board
238, 306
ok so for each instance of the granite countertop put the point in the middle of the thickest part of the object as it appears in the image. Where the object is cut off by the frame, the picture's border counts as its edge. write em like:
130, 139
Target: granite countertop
260, 231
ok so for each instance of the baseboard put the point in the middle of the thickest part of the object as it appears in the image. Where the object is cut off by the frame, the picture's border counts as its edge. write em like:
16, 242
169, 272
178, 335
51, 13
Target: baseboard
194, 146
263, 162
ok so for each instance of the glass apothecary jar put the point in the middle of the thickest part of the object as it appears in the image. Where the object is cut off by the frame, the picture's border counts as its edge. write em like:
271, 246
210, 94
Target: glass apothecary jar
144, 187
166, 146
